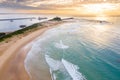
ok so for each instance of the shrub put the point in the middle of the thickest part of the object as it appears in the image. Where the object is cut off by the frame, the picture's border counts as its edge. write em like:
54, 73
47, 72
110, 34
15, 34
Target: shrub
56, 19
19, 31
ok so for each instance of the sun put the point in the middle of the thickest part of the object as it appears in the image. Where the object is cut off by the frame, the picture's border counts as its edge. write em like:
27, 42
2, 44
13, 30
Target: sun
98, 8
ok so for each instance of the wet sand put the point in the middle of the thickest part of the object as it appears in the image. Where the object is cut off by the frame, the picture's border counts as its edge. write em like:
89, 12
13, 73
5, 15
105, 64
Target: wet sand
12, 60
16, 70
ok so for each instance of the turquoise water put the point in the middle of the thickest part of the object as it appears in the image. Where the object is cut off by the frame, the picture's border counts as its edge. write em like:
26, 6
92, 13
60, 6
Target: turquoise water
79, 50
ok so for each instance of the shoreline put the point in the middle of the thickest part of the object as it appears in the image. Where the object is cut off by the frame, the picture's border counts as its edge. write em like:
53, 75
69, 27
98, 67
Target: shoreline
8, 60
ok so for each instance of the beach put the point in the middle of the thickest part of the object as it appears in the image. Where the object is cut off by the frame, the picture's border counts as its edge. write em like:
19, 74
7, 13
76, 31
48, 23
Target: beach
63, 50
13, 53
60, 40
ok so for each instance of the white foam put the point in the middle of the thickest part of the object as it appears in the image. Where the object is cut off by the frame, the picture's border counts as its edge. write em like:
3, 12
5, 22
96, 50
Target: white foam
54, 77
61, 45
53, 64
37, 48
73, 70
56, 65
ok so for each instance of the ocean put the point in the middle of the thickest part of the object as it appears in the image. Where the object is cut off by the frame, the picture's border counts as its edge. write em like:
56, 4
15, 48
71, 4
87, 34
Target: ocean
83, 49
10, 26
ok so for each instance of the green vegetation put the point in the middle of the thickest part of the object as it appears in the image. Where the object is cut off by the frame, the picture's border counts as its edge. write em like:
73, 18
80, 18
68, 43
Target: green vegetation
26, 29
56, 19
2, 34
20, 31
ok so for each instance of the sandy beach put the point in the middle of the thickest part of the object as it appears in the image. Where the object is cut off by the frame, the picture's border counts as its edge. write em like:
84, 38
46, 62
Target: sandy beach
13, 54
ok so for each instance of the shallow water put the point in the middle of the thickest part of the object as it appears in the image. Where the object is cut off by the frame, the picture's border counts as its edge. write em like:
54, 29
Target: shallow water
81, 50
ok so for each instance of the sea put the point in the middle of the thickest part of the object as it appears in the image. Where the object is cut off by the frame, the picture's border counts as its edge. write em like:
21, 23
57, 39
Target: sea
10, 26
82, 49
85, 48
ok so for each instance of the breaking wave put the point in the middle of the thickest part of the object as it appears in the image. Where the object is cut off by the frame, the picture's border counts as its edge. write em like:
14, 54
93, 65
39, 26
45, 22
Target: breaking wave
73, 70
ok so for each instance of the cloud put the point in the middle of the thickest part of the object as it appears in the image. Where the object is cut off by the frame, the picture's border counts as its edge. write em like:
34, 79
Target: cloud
24, 4
46, 5
34, 4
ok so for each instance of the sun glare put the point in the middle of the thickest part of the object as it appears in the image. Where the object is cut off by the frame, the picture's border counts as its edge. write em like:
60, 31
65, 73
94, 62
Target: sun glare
102, 17
100, 28
99, 8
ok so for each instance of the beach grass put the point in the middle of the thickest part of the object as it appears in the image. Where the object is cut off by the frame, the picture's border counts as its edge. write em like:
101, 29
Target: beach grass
27, 29
21, 31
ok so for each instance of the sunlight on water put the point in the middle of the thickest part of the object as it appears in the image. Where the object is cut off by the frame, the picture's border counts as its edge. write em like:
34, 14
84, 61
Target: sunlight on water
91, 50
102, 17
100, 28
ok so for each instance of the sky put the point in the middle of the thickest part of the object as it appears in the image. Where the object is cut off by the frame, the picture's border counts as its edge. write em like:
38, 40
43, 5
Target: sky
71, 7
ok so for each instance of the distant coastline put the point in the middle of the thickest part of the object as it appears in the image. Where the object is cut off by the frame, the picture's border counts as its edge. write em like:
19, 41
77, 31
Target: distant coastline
116, 15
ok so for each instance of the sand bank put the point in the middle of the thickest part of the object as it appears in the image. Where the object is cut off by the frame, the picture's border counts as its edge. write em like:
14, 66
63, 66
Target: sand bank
12, 58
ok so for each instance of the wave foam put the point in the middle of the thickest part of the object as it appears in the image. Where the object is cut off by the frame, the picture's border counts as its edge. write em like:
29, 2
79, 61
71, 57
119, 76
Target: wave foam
73, 70
53, 64
61, 45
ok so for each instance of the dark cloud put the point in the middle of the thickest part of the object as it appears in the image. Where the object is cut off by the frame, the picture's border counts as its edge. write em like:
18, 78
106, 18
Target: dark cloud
22, 4
15, 6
